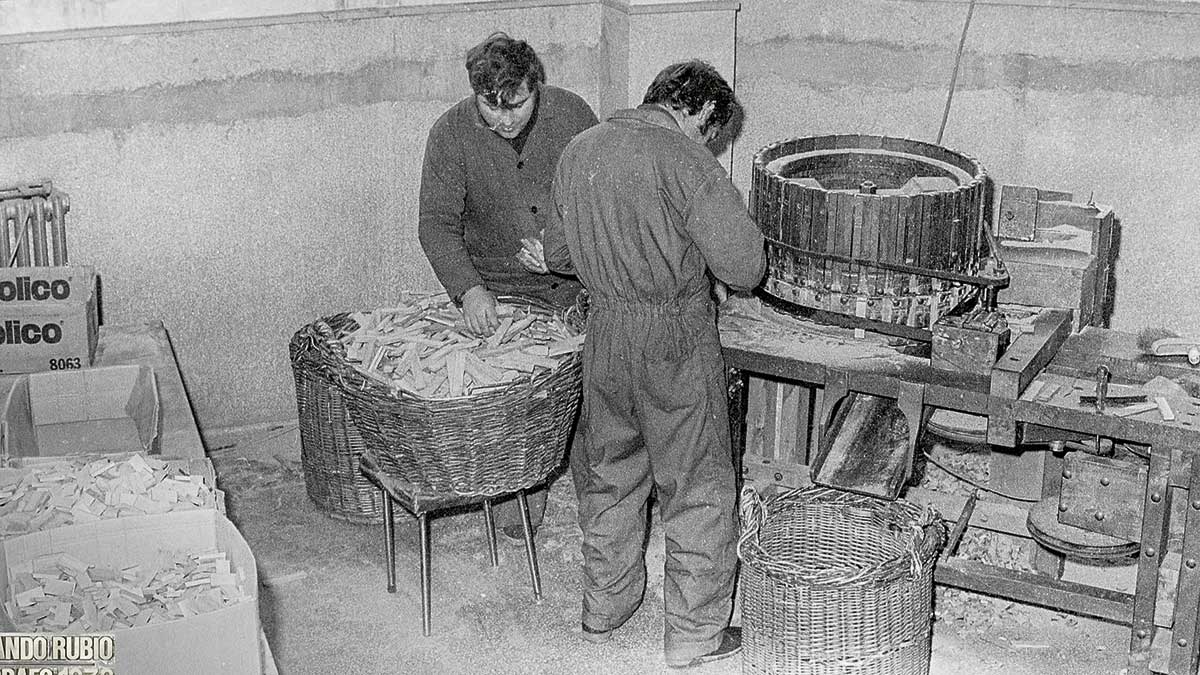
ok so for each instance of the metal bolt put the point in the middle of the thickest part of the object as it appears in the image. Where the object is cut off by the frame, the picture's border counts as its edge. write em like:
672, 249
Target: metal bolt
1099, 515
1155, 497
1196, 504
1142, 633
1151, 552
1105, 481
1190, 562
1062, 508
1182, 642
1066, 473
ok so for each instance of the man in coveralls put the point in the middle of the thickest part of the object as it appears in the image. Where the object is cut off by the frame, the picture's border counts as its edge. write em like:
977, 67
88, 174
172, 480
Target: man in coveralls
485, 185
647, 213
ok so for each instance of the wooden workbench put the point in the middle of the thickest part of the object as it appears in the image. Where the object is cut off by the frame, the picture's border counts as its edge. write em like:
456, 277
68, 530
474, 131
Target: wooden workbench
147, 344
760, 341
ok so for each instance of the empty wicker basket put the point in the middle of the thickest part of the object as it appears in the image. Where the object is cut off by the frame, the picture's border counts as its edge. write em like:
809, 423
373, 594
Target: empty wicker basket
330, 444
834, 583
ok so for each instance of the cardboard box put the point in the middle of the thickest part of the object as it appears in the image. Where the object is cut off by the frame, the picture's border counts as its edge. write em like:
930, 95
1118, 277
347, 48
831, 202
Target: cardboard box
28, 475
106, 409
48, 318
221, 641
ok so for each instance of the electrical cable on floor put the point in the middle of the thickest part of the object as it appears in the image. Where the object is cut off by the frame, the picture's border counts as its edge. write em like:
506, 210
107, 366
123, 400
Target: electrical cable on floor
962, 41
272, 433
976, 484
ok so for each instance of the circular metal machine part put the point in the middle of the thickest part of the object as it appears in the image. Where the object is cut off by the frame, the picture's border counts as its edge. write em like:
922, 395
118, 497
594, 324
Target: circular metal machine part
1069, 540
888, 230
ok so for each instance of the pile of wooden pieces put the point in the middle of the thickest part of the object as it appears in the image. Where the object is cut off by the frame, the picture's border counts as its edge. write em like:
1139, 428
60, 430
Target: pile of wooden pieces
422, 347
60, 593
88, 488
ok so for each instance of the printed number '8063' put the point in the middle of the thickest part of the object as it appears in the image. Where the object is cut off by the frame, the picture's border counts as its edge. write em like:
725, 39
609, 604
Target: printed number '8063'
65, 364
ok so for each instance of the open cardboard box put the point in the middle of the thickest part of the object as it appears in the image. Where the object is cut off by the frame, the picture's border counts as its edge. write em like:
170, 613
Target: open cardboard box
221, 641
69, 412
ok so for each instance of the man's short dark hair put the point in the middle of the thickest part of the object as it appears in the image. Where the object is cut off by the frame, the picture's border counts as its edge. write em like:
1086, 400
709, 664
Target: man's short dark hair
688, 85
499, 65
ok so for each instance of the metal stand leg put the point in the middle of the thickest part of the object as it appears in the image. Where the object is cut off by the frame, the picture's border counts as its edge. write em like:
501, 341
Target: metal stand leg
1185, 627
426, 610
389, 541
489, 522
534, 576
1156, 512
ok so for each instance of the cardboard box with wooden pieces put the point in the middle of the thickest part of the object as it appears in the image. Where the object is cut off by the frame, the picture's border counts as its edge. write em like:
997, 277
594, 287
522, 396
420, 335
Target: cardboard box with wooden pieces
49, 319
41, 493
97, 410
223, 640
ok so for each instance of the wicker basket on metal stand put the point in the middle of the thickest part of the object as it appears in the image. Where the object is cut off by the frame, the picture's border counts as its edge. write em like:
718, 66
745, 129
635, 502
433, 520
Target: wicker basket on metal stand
330, 444
835, 583
429, 454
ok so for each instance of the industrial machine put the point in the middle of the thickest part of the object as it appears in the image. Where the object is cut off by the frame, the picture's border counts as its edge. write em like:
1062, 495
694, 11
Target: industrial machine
901, 283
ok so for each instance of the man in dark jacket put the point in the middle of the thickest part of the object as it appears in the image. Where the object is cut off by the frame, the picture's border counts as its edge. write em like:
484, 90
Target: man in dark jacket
485, 186
647, 214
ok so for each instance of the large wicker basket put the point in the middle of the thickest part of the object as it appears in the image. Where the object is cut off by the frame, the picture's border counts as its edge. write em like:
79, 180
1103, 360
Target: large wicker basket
330, 444
485, 444
834, 583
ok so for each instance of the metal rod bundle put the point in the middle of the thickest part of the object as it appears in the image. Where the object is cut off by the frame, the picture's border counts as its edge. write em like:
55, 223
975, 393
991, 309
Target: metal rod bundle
33, 225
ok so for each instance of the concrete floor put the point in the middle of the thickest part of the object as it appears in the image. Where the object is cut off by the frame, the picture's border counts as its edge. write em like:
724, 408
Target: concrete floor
324, 607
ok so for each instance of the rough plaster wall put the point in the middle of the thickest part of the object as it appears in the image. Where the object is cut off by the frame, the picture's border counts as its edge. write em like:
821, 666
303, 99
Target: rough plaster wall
239, 183
1083, 99
660, 39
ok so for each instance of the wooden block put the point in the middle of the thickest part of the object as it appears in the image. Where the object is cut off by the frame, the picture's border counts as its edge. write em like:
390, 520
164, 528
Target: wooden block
1164, 409
517, 327
1031, 392
1048, 392
455, 370
483, 373
1136, 408
58, 587
29, 597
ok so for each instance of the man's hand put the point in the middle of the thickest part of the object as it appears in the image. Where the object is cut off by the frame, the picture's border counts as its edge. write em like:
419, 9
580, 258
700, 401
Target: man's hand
479, 311
532, 256
721, 291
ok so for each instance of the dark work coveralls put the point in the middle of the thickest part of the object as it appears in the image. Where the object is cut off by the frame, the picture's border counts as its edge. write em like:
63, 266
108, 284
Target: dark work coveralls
645, 213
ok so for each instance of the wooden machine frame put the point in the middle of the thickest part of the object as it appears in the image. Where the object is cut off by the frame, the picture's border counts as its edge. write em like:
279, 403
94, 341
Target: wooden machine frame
1051, 352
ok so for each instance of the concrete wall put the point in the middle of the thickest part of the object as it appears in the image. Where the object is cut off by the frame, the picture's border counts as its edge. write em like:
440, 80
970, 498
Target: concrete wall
240, 178
1084, 97
240, 182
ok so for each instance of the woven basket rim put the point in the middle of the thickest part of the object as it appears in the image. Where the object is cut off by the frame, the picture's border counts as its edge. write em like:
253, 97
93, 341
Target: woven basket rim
352, 380
926, 541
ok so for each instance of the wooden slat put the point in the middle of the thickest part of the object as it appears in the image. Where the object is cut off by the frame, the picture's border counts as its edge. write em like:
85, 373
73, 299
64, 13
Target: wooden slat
891, 231
858, 243
1035, 589
802, 227
871, 226
819, 234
